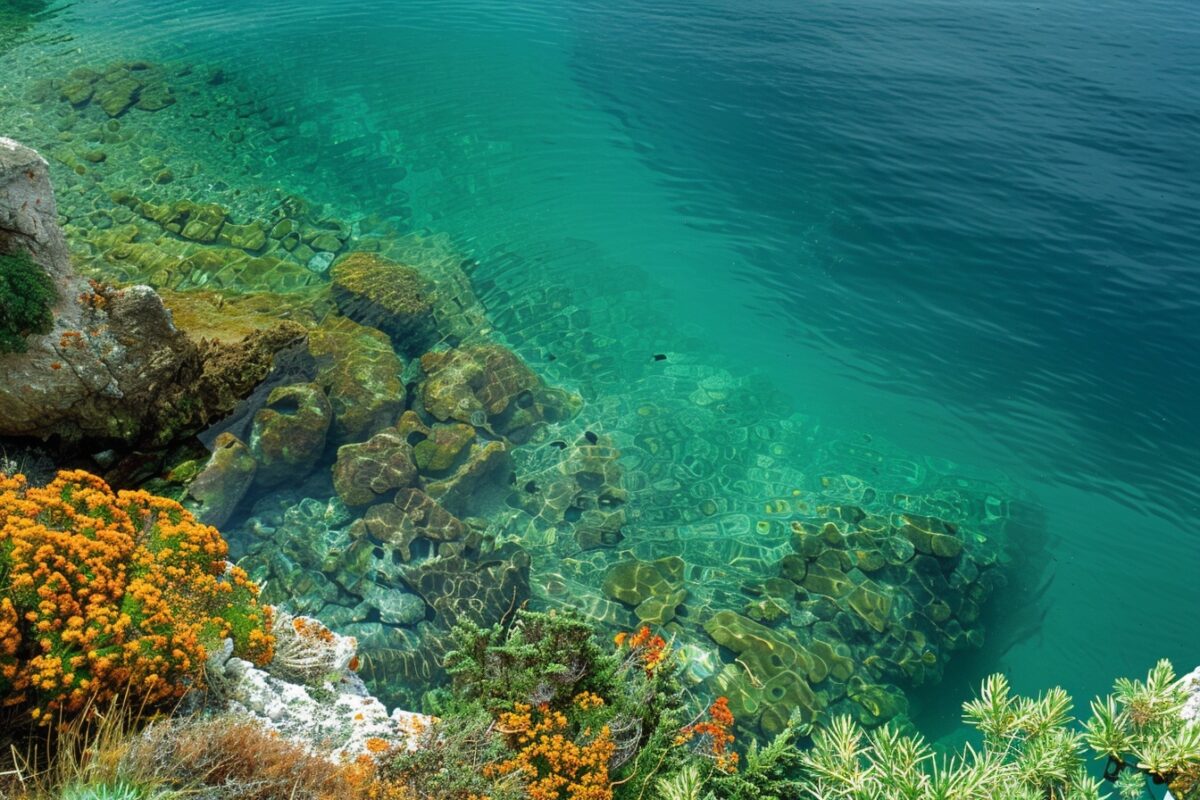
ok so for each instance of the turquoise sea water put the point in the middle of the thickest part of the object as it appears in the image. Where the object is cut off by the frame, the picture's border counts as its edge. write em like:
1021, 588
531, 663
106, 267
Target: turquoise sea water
959, 237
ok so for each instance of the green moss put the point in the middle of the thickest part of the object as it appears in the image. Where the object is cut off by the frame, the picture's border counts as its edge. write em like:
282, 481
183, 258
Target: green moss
26, 297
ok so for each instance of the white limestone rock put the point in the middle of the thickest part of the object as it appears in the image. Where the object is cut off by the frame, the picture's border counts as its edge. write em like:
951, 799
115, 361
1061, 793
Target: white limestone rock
333, 714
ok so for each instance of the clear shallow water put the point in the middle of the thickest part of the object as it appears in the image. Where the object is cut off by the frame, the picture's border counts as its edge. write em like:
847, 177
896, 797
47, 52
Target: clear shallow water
966, 229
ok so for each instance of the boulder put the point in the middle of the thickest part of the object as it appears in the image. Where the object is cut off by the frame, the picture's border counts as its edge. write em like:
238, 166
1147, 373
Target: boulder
114, 367
223, 482
288, 434
364, 473
361, 376
383, 294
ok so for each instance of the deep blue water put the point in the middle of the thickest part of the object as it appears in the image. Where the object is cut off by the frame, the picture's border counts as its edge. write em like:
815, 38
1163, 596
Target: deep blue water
969, 228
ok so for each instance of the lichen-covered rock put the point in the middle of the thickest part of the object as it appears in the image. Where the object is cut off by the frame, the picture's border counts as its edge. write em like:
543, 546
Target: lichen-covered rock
364, 473
288, 434
361, 376
391, 297
223, 482
329, 710
114, 367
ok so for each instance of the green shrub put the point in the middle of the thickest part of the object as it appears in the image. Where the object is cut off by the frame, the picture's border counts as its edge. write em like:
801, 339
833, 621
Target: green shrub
1140, 728
26, 297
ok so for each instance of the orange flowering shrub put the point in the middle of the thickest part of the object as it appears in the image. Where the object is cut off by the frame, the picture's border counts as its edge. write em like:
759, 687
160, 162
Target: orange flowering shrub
101, 592
648, 648
714, 735
555, 764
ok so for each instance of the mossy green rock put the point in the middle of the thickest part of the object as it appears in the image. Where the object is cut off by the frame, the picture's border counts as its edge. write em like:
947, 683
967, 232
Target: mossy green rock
250, 236
383, 294
364, 473
223, 482
440, 450
633, 582
772, 677
361, 376
932, 536
288, 433
115, 96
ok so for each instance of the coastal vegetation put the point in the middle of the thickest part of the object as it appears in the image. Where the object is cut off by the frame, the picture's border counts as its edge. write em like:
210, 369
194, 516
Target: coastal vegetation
26, 296
114, 602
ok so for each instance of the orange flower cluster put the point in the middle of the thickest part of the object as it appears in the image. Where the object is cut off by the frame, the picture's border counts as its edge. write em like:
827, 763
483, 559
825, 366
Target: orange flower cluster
107, 592
651, 648
556, 765
715, 735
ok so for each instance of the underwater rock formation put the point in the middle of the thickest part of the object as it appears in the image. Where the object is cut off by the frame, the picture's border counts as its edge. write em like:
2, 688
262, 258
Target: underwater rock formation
216, 491
490, 387
288, 435
119, 87
364, 473
361, 376
390, 297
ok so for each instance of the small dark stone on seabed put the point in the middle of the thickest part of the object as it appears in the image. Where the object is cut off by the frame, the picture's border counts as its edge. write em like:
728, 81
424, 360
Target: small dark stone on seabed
591, 437
559, 443
660, 356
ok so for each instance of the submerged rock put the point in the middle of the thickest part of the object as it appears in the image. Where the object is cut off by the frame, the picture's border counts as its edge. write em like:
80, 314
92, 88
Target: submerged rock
361, 375
390, 297
364, 473
223, 482
288, 435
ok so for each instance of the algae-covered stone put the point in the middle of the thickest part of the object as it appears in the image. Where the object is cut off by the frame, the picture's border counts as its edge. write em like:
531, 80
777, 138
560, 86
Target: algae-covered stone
383, 294
223, 482
440, 449
361, 375
78, 92
250, 236
203, 222
288, 434
633, 582
486, 385
773, 676
482, 480
116, 96
155, 97
364, 473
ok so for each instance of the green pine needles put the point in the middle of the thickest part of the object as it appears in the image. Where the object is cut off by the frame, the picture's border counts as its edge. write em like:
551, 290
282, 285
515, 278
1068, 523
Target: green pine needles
26, 297
1139, 726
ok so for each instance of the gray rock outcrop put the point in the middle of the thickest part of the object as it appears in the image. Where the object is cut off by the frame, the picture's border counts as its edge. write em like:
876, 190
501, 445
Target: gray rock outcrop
114, 367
